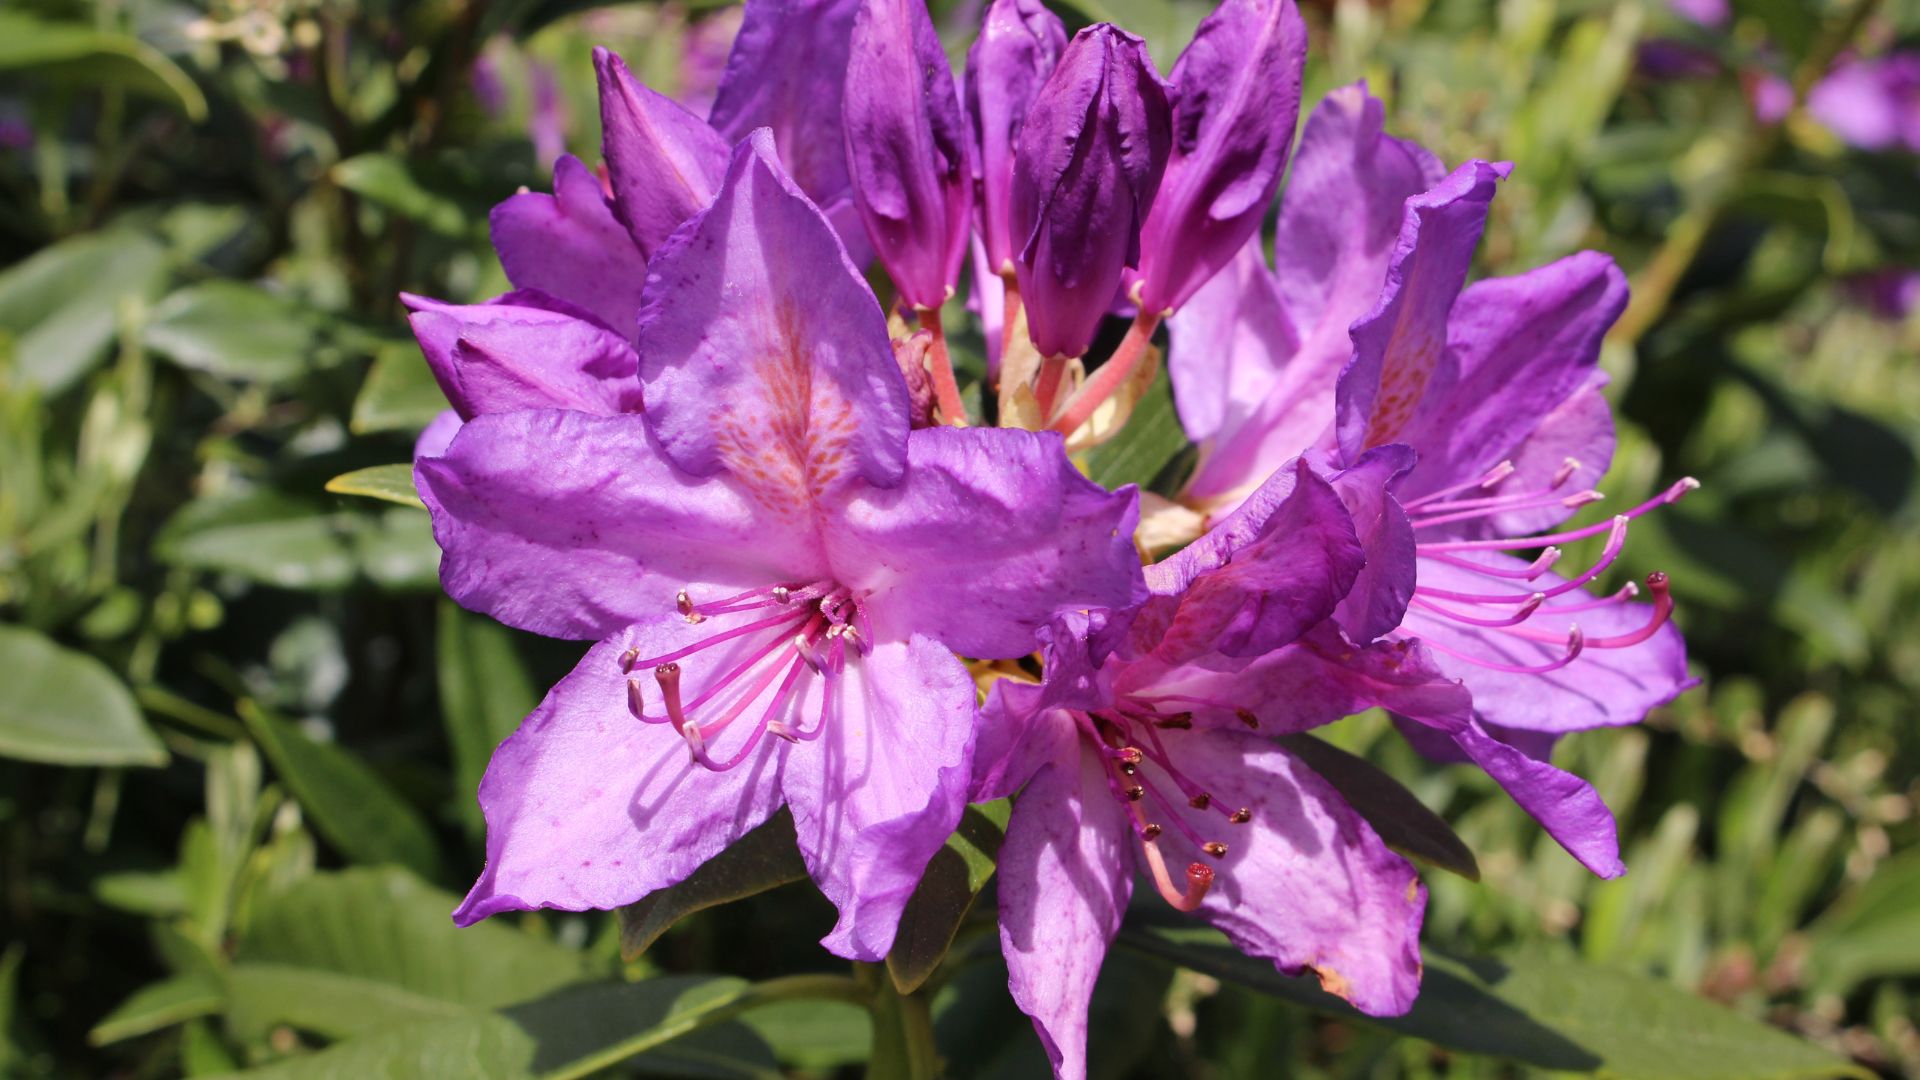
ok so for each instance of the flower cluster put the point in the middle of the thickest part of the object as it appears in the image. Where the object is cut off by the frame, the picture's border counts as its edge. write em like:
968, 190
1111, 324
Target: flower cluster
693, 435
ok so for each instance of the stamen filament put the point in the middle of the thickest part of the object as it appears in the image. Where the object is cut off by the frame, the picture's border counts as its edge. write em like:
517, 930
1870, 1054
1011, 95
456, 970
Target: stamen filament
1489, 479
1670, 495
1615, 542
1575, 643
1532, 570
794, 618
1521, 615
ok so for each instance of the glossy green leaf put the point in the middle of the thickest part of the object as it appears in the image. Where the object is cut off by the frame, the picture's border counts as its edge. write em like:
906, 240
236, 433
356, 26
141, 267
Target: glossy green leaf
1152, 438
485, 691
66, 708
947, 891
62, 305
294, 543
162, 1005
1398, 815
399, 393
75, 53
390, 181
1549, 1012
388, 483
763, 859
236, 331
350, 805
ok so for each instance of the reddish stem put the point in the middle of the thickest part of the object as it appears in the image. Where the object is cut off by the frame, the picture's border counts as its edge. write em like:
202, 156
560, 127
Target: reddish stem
946, 390
1111, 375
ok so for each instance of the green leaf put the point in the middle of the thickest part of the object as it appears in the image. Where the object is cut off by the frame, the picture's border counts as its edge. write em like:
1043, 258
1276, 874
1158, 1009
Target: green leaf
1873, 932
389, 483
350, 805
1549, 1012
236, 331
294, 543
62, 305
946, 893
763, 859
389, 181
560, 1035
814, 1035
324, 1003
1398, 815
66, 708
1152, 438
75, 53
384, 927
485, 692
399, 393
161, 1005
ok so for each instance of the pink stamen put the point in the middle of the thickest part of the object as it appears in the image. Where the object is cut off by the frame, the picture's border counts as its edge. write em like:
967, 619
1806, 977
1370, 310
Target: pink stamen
1620, 596
1576, 642
1521, 615
1670, 495
1662, 611
1490, 507
1489, 479
1615, 543
1528, 573
794, 618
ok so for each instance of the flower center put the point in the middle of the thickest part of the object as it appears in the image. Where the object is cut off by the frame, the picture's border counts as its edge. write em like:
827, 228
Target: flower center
1140, 770
1520, 614
806, 632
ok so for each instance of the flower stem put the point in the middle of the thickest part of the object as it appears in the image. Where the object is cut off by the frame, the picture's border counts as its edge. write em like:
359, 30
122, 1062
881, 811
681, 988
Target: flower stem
902, 1030
1009, 312
946, 390
707, 1014
1111, 375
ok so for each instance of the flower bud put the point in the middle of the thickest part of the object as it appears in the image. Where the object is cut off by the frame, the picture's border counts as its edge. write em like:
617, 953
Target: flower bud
907, 148
1019, 44
1090, 157
663, 163
1236, 104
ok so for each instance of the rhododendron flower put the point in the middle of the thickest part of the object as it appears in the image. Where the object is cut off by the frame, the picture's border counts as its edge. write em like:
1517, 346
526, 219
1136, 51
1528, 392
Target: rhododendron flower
777, 574
1019, 44
1158, 762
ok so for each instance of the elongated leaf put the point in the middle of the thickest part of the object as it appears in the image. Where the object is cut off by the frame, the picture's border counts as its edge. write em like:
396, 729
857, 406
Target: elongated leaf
1554, 1013
945, 894
485, 692
66, 708
1152, 438
162, 1005
388, 483
1873, 932
324, 1002
76, 53
763, 859
399, 393
391, 182
62, 305
292, 543
236, 331
1398, 815
350, 805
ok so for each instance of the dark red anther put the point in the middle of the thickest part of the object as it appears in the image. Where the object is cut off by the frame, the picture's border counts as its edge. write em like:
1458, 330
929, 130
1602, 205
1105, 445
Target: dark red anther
1247, 718
1200, 801
1136, 793
1240, 816
1215, 848
1150, 831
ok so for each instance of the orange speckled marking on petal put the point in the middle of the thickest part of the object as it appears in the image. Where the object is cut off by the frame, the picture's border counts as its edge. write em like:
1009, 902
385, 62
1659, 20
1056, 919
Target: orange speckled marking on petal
1404, 373
793, 447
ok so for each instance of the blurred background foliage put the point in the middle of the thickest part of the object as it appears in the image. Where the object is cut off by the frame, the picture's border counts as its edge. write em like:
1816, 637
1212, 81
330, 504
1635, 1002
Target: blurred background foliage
240, 731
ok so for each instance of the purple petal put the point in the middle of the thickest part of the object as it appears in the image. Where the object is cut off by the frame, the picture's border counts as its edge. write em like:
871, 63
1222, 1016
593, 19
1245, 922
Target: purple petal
1400, 348
588, 807
1872, 104
1248, 598
1230, 344
1019, 44
1520, 346
438, 433
883, 787
1338, 221
1565, 805
1380, 593
1065, 875
569, 245
762, 350
574, 526
1306, 883
508, 365
907, 149
1091, 153
1234, 114
787, 72
438, 327
993, 531
1603, 687
664, 163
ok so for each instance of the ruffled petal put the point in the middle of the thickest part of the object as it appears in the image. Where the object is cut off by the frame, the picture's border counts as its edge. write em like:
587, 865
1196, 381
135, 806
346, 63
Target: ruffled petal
992, 533
664, 163
1229, 345
570, 245
588, 807
884, 785
1065, 875
1378, 600
573, 526
764, 353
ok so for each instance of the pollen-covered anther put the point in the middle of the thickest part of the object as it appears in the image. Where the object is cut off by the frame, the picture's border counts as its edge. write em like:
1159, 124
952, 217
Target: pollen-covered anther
1240, 816
636, 702
1150, 831
1200, 801
1215, 848
1131, 755
1136, 793
782, 594
1246, 717
687, 611
627, 660
782, 731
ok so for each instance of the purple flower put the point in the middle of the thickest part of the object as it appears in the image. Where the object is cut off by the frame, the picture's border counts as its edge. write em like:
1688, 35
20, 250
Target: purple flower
766, 551
1159, 762
664, 163
570, 245
1891, 292
548, 124
907, 149
1481, 408
1092, 149
788, 72
525, 350
1236, 102
1872, 104
1019, 45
